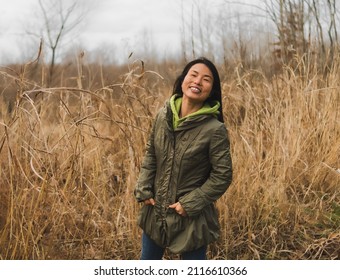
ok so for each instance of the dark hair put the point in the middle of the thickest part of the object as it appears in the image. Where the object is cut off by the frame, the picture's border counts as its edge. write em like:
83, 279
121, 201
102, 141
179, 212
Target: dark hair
216, 92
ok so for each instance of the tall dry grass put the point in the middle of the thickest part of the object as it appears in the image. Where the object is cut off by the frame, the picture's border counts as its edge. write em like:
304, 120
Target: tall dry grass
284, 201
69, 159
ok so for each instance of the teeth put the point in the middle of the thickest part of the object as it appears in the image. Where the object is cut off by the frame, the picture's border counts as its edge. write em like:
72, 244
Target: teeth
195, 89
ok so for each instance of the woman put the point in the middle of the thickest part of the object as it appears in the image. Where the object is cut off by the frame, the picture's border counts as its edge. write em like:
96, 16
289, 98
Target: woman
187, 167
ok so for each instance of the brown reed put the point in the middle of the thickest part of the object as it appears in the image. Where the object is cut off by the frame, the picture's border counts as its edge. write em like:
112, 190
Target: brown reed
70, 156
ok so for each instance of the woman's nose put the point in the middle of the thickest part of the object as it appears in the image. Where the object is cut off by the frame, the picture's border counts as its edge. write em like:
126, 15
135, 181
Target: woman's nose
198, 80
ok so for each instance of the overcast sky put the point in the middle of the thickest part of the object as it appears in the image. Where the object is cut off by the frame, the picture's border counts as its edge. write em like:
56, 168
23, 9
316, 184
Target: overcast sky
119, 26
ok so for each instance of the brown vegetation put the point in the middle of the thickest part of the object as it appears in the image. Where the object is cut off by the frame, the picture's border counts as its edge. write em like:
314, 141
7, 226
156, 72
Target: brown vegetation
70, 155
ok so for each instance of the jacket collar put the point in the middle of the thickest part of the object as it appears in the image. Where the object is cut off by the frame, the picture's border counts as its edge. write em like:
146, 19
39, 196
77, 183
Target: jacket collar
193, 119
187, 123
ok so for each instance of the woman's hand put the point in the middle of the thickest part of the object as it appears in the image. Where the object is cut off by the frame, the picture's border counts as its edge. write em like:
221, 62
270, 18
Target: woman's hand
178, 208
149, 201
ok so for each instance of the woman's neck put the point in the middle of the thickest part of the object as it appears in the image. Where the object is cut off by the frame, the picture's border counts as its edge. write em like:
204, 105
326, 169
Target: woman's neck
188, 107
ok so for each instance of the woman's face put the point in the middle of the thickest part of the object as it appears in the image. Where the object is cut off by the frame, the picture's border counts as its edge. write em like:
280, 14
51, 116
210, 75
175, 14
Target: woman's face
197, 83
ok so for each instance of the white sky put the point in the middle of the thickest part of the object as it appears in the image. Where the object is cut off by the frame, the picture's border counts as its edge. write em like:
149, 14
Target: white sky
119, 26
126, 22
118, 23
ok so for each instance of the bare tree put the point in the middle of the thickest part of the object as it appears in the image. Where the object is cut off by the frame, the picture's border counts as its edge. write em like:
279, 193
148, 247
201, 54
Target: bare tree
332, 29
198, 31
289, 17
302, 27
58, 20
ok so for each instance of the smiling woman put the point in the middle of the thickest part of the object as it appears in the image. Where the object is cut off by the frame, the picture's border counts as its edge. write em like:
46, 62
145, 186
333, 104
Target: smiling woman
187, 167
200, 81
196, 88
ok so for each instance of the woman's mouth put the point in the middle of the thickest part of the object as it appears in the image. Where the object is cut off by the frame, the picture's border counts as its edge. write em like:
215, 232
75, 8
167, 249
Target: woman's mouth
195, 89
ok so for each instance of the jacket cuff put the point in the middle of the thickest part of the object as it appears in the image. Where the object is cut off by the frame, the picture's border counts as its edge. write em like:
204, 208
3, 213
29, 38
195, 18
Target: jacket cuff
193, 202
143, 193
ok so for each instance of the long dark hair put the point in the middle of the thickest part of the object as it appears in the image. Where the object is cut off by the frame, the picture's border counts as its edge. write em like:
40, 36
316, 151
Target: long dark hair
216, 92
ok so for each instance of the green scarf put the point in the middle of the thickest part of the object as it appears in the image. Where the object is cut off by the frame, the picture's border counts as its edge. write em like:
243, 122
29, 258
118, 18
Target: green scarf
176, 102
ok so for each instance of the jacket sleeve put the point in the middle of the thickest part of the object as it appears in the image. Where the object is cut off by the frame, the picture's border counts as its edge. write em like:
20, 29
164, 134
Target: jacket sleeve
219, 179
145, 182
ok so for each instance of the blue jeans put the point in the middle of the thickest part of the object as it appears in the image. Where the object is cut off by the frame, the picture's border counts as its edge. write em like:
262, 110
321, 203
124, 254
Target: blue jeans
151, 251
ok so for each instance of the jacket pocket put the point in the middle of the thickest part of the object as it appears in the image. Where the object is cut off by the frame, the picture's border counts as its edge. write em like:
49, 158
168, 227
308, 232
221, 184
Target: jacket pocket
151, 225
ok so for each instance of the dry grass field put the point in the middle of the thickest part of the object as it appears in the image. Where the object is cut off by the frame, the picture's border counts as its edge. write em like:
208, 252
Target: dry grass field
70, 156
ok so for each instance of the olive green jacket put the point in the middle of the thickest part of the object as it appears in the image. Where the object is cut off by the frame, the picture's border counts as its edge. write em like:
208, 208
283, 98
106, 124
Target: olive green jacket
190, 164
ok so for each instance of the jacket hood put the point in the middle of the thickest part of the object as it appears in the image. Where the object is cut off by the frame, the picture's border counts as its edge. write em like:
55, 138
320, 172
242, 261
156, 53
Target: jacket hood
207, 109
